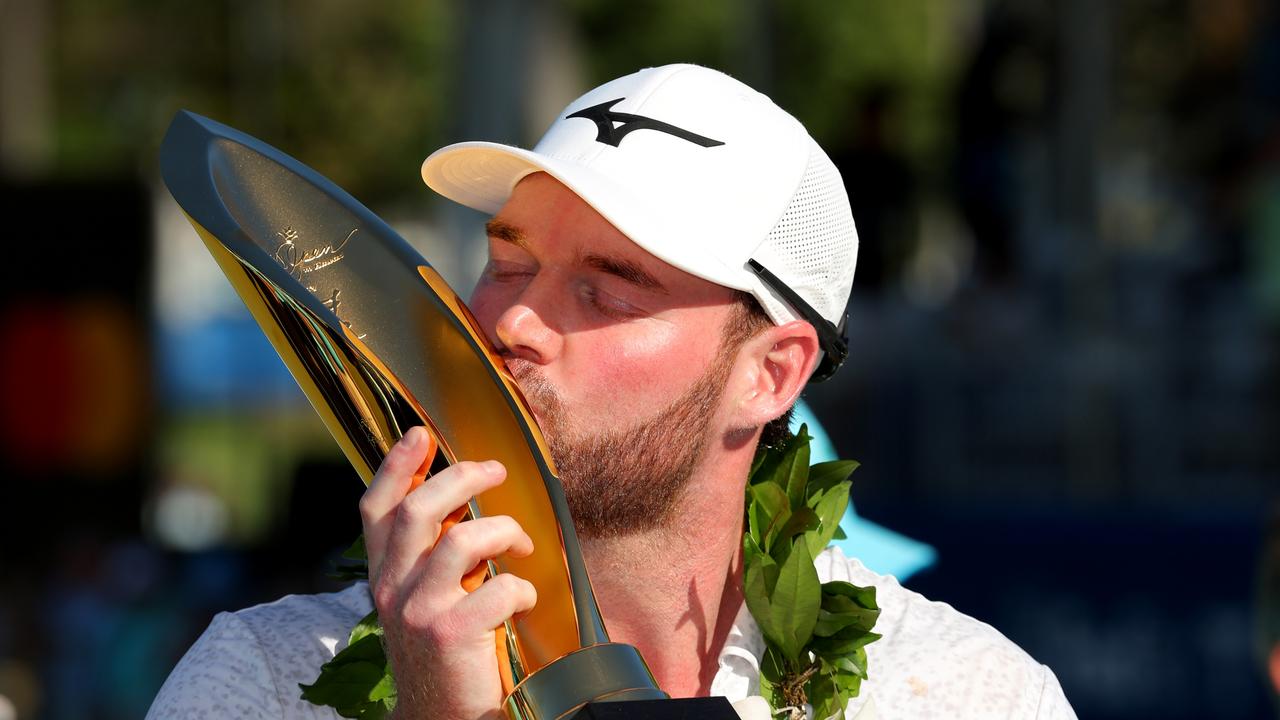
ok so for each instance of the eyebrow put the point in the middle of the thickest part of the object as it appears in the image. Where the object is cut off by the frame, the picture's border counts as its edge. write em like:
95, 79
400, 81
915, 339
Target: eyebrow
626, 270
506, 232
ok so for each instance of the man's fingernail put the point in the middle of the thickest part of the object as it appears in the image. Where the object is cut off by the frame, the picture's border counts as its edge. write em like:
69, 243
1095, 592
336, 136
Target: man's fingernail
493, 467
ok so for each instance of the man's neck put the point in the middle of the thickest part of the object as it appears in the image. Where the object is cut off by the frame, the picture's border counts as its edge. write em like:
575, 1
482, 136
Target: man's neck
673, 592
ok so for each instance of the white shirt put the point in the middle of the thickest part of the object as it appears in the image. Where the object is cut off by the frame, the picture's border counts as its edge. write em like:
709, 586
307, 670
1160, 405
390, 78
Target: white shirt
932, 661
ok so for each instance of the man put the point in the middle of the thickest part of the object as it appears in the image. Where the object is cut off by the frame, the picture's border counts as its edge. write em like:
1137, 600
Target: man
667, 270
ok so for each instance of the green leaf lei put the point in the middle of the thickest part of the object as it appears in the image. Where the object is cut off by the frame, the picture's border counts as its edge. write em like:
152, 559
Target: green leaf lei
357, 682
815, 633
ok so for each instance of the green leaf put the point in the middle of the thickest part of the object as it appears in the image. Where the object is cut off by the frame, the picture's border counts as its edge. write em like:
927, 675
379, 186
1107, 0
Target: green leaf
368, 625
750, 549
788, 466
864, 597
844, 642
855, 663
345, 685
830, 623
352, 564
762, 454
767, 456
831, 689
860, 660
843, 680
840, 534
366, 649
821, 691
769, 512
771, 674
845, 621
817, 495
829, 506
771, 571
863, 618
756, 594
794, 603
794, 468
357, 682
385, 689
825, 475
781, 552
757, 521
803, 520
357, 551
847, 687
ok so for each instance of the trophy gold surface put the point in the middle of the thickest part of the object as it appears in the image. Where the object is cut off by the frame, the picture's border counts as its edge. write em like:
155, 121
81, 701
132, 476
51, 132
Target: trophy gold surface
379, 343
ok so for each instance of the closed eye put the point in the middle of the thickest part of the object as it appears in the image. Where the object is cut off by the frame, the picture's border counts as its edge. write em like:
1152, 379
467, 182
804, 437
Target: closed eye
625, 270
505, 271
611, 307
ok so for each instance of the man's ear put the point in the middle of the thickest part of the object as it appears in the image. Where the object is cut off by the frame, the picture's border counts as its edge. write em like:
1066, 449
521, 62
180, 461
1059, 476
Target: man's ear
778, 362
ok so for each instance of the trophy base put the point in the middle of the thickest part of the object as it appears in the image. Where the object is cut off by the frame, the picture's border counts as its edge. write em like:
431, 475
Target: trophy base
597, 673
701, 708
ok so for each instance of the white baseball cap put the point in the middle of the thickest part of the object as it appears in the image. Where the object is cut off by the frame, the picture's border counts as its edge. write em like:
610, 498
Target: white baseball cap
704, 173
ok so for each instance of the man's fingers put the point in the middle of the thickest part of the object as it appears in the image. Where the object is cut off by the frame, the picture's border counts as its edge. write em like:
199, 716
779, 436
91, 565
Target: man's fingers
389, 486
418, 518
498, 599
468, 544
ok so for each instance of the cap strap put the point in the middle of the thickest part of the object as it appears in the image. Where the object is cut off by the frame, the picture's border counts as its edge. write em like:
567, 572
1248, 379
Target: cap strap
832, 338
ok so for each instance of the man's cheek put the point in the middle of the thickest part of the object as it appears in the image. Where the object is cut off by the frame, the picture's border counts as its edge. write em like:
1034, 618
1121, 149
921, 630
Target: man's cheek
655, 363
625, 365
664, 352
652, 342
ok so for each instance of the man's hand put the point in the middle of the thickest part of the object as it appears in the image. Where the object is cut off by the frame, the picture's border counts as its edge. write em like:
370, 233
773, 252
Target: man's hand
438, 636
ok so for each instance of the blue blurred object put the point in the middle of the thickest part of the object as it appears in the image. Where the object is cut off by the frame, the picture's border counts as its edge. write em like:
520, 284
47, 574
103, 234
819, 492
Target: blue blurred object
220, 361
879, 548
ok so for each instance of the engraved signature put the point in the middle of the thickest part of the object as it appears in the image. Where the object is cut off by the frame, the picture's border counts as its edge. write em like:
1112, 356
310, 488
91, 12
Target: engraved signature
299, 262
333, 303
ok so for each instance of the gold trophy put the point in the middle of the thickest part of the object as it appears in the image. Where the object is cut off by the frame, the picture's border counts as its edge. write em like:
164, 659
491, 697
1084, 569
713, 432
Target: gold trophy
379, 343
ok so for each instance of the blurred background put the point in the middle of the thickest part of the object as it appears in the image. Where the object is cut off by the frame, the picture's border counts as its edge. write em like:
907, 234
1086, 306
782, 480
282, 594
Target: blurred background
1065, 325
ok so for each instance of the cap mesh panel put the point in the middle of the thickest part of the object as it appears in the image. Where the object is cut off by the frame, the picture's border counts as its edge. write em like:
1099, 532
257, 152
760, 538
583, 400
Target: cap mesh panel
815, 238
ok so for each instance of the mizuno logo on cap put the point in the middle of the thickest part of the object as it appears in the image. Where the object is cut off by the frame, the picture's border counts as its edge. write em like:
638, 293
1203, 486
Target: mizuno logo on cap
612, 126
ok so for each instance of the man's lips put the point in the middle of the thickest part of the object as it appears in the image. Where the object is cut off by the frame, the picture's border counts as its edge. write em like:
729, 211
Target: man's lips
521, 373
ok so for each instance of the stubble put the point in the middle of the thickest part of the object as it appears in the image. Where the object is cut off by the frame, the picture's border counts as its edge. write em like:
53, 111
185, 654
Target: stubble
620, 482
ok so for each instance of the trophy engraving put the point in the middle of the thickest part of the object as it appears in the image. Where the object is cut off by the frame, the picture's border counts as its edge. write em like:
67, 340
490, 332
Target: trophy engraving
298, 262
419, 360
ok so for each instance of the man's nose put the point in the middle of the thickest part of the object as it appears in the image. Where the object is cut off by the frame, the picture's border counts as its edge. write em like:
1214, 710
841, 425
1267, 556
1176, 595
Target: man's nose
522, 330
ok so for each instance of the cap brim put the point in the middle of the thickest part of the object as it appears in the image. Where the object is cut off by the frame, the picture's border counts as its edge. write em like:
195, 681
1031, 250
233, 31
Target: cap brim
482, 176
